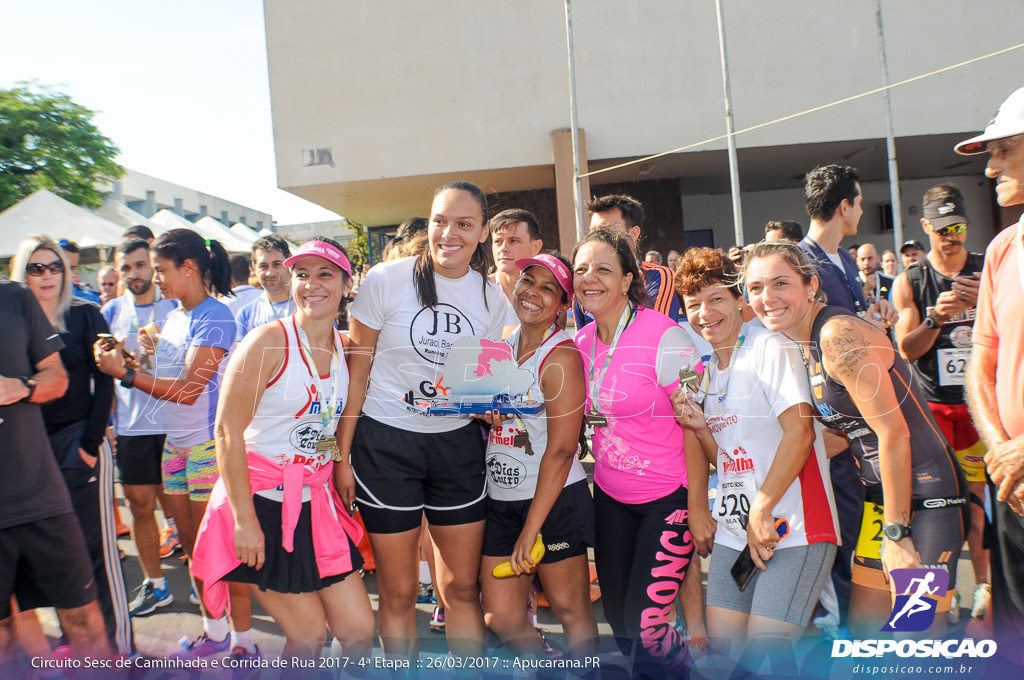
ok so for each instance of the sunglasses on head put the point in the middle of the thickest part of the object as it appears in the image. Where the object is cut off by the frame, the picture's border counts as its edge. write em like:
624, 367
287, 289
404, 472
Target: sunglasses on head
37, 268
951, 229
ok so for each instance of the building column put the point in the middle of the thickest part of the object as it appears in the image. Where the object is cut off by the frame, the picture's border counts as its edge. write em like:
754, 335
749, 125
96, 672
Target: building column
561, 143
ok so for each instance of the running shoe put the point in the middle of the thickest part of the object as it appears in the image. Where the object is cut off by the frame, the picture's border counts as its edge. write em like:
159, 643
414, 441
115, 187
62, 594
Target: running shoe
168, 542
954, 607
426, 595
148, 597
982, 600
200, 647
437, 619
192, 597
698, 647
244, 664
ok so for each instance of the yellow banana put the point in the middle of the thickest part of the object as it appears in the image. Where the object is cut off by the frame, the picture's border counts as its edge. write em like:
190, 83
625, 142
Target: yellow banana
504, 570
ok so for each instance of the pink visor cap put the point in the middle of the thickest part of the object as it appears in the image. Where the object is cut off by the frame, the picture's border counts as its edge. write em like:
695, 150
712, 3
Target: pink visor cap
320, 249
553, 265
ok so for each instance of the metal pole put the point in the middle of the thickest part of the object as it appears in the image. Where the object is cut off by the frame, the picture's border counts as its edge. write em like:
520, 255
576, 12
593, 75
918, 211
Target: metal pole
734, 172
574, 124
890, 138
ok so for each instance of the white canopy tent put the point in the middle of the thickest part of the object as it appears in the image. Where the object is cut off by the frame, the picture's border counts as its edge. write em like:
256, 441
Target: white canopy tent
211, 228
207, 227
120, 214
43, 212
168, 220
245, 231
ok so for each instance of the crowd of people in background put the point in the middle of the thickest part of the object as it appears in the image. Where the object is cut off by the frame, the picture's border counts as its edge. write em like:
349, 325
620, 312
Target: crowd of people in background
809, 413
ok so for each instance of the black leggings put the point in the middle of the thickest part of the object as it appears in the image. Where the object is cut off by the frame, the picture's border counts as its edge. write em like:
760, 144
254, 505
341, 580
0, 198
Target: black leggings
642, 554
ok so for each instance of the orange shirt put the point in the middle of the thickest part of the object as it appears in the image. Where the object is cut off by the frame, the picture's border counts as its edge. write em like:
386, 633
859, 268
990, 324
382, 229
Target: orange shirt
1000, 324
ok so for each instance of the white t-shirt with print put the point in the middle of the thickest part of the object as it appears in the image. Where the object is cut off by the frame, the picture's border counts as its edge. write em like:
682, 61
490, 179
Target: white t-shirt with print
414, 340
765, 377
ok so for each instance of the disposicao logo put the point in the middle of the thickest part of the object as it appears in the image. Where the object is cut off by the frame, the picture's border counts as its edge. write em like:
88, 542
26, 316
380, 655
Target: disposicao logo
917, 598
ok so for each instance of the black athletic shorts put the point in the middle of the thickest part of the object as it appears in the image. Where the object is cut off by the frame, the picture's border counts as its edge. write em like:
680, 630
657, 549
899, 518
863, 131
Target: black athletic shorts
283, 571
138, 458
45, 564
567, 531
401, 475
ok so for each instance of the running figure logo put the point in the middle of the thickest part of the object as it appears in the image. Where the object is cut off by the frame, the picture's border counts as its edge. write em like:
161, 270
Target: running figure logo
918, 594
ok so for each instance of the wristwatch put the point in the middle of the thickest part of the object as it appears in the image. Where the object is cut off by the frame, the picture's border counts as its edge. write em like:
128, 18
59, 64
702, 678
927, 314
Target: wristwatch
128, 379
896, 532
930, 322
30, 384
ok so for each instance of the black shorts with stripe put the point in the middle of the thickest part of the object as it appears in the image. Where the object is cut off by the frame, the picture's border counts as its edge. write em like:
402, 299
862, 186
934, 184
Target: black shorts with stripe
401, 475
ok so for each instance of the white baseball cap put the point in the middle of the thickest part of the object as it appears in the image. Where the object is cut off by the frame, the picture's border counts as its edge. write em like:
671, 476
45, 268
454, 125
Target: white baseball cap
1008, 122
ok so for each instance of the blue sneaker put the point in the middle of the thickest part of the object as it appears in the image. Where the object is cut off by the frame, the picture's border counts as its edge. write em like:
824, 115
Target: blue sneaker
148, 597
200, 647
426, 594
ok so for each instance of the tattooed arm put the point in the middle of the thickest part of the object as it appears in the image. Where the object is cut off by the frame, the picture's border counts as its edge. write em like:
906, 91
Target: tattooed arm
859, 356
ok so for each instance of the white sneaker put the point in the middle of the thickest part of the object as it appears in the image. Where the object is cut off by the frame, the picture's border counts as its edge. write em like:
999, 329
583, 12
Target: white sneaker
982, 600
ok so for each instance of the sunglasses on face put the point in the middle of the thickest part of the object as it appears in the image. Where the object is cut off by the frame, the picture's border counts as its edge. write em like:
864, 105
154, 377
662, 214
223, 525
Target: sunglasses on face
951, 229
37, 268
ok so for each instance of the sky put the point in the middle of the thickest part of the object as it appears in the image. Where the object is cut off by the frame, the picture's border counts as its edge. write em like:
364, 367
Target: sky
181, 87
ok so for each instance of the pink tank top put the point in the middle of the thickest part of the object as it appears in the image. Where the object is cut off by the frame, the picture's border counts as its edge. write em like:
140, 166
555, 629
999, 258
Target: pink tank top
639, 455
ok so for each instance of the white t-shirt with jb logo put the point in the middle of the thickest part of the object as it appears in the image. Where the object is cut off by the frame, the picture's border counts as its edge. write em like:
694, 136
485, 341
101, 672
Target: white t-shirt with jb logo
414, 340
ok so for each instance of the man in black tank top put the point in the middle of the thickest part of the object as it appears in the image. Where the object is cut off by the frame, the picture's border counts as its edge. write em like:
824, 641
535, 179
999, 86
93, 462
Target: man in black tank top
936, 299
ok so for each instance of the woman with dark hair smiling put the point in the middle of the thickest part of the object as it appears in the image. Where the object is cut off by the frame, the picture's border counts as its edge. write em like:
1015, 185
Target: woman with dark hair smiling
274, 520
634, 358
757, 425
549, 494
405, 463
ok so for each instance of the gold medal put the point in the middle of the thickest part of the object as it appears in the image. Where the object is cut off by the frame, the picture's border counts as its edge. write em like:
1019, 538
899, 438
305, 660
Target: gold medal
329, 445
522, 441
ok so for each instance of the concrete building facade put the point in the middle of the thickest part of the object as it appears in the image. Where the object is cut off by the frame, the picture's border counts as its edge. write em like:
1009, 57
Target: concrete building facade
148, 195
377, 103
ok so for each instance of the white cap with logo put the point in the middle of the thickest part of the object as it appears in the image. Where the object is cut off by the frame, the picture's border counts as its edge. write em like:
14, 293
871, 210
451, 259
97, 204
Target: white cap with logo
1008, 122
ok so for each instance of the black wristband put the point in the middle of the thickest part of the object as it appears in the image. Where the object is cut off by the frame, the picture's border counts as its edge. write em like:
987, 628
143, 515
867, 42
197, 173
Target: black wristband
30, 384
128, 379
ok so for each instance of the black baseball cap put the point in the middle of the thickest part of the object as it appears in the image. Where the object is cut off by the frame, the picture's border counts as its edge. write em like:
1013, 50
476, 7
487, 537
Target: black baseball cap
911, 244
943, 212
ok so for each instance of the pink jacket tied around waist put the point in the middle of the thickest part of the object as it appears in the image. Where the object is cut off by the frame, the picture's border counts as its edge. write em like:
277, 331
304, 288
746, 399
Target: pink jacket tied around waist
215, 543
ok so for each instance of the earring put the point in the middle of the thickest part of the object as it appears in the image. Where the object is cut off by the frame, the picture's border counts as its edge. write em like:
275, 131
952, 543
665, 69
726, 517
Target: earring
810, 298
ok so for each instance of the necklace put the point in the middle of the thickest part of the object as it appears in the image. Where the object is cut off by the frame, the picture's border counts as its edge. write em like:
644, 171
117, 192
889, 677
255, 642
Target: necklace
724, 393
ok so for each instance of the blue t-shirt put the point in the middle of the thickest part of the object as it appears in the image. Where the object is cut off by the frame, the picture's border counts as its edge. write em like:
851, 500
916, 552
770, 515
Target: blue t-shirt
842, 286
262, 311
137, 413
208, 324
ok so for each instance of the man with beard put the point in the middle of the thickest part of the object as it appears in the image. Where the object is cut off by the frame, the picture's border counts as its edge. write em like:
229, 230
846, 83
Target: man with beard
936, 298
137, 423
877, 286
275, 302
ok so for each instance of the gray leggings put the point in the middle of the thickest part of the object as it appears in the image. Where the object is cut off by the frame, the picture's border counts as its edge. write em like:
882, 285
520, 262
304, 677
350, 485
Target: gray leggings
786, 591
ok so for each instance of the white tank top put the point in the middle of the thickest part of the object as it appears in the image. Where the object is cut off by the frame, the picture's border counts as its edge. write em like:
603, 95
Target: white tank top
287, 424
511, 472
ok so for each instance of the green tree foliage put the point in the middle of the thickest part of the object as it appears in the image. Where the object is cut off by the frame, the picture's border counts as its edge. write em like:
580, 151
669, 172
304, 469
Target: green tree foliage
47, 141
359, 247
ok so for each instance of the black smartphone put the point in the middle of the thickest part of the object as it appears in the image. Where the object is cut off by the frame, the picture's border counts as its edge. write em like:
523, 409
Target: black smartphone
743, 569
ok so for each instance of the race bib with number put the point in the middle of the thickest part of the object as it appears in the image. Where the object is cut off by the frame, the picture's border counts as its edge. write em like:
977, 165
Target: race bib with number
953, 366
869, 540
735, 494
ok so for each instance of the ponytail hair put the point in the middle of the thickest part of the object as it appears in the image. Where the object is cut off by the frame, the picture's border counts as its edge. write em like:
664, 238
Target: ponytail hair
208, 255
483, 260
